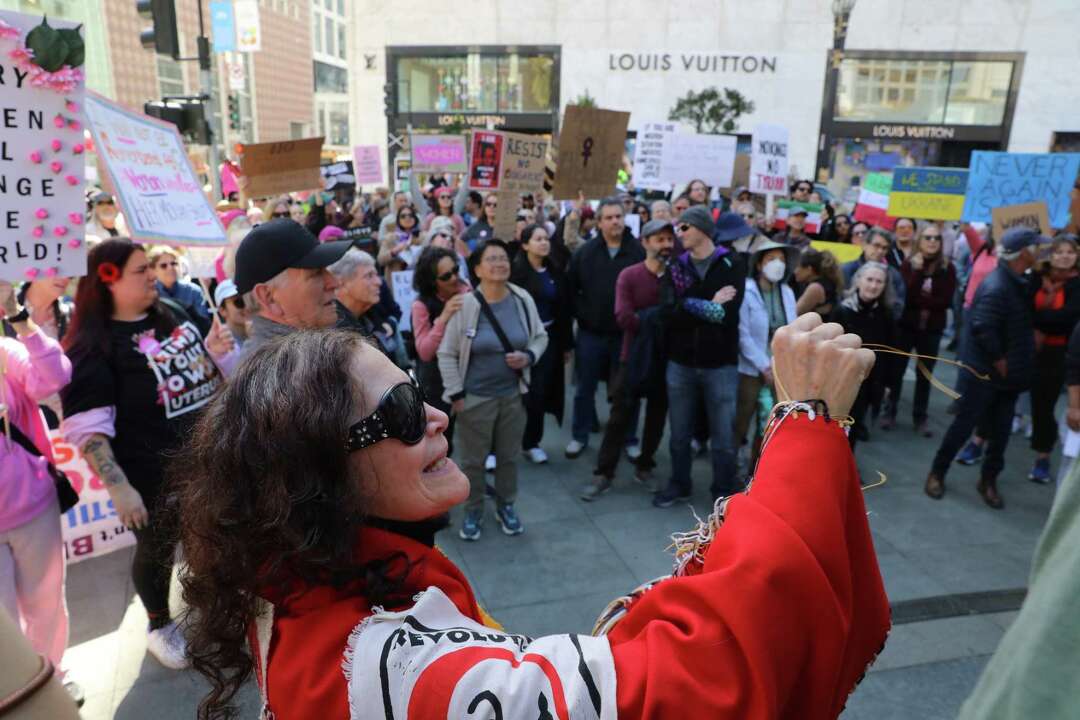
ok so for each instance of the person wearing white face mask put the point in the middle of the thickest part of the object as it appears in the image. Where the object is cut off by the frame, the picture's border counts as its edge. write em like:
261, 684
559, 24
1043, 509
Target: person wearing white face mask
769, 304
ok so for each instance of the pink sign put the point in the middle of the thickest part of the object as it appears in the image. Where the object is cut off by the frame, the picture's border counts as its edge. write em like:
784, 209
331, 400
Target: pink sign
367, 162
438, 153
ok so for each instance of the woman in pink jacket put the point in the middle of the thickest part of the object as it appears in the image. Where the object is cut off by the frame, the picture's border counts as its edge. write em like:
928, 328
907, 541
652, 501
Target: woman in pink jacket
32, 367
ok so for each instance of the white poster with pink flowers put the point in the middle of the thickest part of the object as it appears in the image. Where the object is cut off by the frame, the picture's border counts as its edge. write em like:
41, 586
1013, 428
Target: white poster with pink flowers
42, 201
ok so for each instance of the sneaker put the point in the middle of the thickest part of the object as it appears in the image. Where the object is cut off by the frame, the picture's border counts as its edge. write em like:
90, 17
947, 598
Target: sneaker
668, 497
76, 692
537, 455
971, 453
489, 463
596, 488
574, 448
470, 527
1040, 472
168, 646
508, 519
633, 451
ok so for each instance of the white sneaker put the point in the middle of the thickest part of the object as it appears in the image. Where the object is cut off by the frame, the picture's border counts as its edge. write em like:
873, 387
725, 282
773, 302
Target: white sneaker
489, 463
537, 455
633, 451
168, 646
574, 448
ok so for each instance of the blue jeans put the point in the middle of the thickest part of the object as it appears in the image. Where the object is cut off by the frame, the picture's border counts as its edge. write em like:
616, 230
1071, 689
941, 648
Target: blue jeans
718, 388
596, 356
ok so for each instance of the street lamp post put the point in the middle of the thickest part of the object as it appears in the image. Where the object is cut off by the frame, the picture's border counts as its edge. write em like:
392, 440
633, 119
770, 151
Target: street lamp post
841, 10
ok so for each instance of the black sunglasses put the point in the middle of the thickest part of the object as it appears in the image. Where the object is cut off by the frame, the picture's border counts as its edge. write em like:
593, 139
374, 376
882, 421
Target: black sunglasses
237, 301
279, 215
931, 237
404, 216
446, 275
400, 415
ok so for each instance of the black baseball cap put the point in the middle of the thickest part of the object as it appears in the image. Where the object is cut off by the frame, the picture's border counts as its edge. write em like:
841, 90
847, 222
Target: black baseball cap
278, 245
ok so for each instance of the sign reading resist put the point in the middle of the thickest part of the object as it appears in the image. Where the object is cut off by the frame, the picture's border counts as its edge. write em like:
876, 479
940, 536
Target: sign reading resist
41, 151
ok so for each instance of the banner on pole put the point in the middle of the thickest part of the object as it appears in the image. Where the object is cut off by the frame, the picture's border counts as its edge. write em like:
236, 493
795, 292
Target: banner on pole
281, 167
42, 204
927, 193
248, 32
997, 179
149, 168
769, 160
223, 26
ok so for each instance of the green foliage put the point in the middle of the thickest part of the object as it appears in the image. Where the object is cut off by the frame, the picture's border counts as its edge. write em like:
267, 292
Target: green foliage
584, 100
712, 112
53, 49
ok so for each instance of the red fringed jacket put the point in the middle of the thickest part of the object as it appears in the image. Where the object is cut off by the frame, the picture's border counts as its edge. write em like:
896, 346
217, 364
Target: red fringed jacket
777, 616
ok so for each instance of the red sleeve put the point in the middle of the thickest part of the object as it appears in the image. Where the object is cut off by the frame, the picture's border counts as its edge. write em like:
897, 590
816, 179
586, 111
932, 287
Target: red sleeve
427, 334
974, 239
625, 316
787, 610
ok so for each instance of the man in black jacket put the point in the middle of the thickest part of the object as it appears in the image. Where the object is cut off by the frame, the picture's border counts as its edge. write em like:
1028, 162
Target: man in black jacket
701, 296
591, 286
1001, 344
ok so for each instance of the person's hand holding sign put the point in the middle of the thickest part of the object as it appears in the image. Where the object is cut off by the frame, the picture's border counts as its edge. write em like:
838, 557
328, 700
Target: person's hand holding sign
219, 341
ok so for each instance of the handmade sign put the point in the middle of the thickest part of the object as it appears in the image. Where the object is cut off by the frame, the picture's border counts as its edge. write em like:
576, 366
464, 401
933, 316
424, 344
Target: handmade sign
813, 214
401, 285
843, 252
927, 193
338, 175
522, 170
1033, 215
590, 155
42, 204
152, 177
438, 153
402, 168
688, 156
91, 528
769, 160
740, 174
872, 205
280, 167
485, 165
367, 160
998, 179
649, 155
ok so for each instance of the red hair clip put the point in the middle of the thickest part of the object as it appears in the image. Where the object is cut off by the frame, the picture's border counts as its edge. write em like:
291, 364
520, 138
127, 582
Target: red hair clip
108, 273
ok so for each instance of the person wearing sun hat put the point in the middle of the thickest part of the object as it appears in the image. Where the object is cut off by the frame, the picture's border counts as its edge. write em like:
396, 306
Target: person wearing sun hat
281, 274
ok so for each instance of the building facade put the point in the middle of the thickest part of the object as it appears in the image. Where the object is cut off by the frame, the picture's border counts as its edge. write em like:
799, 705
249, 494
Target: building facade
920, 82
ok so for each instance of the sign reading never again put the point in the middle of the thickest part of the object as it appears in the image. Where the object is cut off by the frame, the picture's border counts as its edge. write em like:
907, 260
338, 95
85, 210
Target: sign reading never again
998, 179
590, 155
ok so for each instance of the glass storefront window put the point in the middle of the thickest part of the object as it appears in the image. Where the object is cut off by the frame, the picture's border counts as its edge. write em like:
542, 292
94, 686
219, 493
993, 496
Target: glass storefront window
978, 92
476, 83
330, 78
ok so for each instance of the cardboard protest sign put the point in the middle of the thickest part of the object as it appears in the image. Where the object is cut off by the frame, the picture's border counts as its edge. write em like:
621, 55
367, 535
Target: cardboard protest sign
276, 168
844, 252
91, 528
401, 284
337, 175
649, 155
42, 165
522, 167
485, 166
438, 153
367, 161
872, 205
927, 193
152, 177
506, 215
998, 179
769, 160
1033, 215
813, 214
591, 148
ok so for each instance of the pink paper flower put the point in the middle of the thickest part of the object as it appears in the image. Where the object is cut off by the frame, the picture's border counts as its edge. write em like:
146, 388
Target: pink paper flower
74, 242
36, 157
7, 31
30, 273
41, 213
38, 231
71, 180
57, 145
77, 148
74, 125
71, 106
56, 166
51, 272
75, 218
59, 122
60, 231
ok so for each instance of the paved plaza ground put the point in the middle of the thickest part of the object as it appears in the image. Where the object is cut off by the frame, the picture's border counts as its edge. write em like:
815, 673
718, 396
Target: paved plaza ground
574, 557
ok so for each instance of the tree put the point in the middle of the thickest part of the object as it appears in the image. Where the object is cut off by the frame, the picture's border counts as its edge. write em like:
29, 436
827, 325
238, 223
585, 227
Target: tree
585, 100
711, 112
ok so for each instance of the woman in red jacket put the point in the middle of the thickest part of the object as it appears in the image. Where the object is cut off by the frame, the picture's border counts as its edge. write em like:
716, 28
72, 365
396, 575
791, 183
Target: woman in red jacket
931, 282
307, 491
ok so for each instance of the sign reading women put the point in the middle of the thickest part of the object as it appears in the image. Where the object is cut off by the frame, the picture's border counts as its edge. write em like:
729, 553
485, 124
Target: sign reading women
41, 149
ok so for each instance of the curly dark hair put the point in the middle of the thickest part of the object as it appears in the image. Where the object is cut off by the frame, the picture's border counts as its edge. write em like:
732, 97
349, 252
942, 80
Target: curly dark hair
262, 487
427, 268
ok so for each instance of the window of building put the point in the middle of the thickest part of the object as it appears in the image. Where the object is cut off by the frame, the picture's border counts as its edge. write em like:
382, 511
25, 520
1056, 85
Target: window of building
329, 37
297, 130
338, 124
341, 41
170, 76
330, 78
923, 91
341, 7
505, 83
316, 31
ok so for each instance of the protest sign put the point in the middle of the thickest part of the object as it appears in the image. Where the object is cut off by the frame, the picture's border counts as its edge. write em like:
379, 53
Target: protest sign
281, 167
927, 193
1033, 215
843, 252
152, 177
41, 156
401, 284
769, 160
486, 161
997, 179
649, 155
438, 153
91, 528
633, 224
813, 214
591, 148
522, 167
740, 174
688, 156
871, 207
367, 161
337, 175
402, 168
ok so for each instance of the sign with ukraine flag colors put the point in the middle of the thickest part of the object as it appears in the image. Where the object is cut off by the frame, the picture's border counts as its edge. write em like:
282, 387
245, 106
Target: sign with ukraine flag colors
928, 193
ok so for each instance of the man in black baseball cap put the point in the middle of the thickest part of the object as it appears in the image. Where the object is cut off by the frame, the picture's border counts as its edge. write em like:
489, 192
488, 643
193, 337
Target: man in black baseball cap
281, 272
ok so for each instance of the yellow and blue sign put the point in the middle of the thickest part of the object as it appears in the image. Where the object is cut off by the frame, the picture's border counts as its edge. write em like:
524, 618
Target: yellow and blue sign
928, 193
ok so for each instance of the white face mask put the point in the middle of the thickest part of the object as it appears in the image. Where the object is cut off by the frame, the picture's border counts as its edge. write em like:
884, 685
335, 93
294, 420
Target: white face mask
774, 270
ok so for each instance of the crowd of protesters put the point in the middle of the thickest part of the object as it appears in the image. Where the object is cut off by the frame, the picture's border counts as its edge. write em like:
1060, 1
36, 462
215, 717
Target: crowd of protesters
675, 319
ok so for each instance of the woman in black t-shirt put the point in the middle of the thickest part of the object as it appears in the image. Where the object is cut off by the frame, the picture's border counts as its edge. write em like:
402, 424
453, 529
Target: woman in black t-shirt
140, 374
